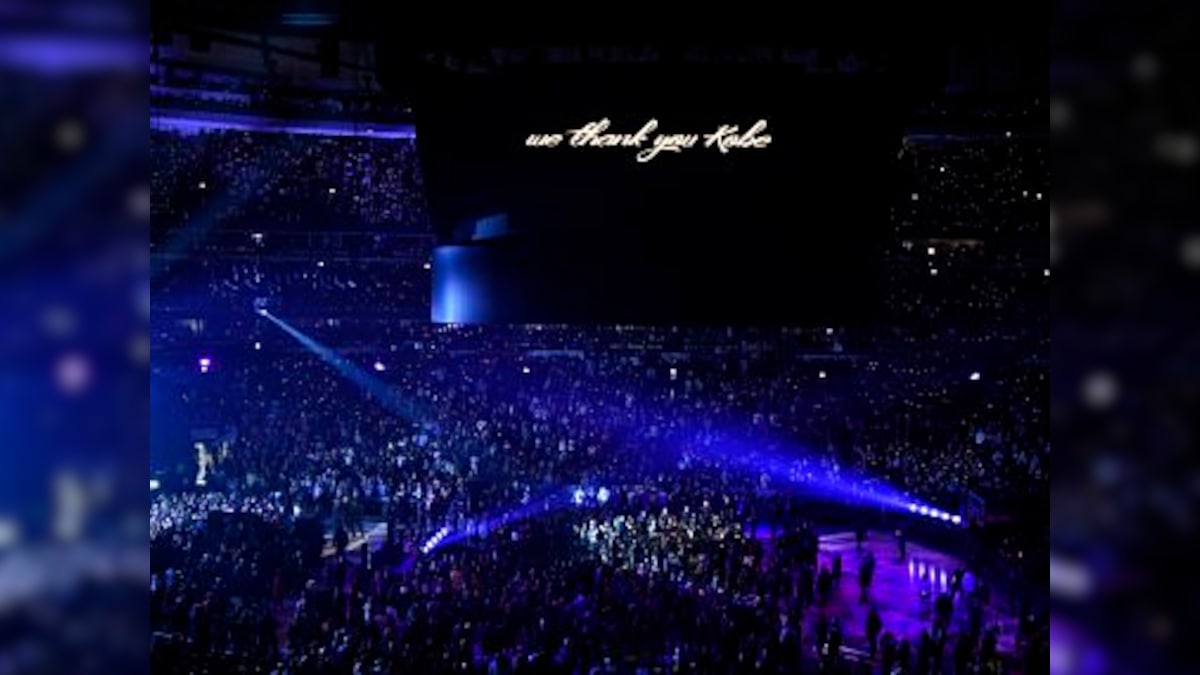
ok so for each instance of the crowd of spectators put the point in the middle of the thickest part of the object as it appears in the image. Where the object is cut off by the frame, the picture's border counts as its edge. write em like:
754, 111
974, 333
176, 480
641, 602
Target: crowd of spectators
248, 181
182, 86
329, 283
470, 445
965, 282
995, 187
185, 512
477, 420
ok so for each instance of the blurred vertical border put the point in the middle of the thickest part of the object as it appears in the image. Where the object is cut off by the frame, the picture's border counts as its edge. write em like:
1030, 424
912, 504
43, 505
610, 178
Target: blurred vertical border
74, 350
1125, 238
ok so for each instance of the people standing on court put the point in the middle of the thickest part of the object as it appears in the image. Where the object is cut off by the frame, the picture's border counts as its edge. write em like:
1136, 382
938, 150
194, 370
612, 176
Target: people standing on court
874, 626
824, 586
866, 572
889, 653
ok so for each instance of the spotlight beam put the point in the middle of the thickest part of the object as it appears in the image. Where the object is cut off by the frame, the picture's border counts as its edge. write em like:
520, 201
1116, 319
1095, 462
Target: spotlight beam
381, 391
549, 502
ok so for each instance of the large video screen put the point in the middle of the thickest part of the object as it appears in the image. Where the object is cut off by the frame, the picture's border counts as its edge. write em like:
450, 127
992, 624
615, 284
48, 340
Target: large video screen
676, 193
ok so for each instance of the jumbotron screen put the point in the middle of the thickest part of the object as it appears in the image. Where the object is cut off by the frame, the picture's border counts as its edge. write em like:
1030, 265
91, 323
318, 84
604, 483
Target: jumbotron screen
659, 193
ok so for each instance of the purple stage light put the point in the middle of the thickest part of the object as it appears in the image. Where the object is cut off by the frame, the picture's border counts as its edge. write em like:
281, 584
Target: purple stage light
379, 367
957, 520
912, 508
924, 510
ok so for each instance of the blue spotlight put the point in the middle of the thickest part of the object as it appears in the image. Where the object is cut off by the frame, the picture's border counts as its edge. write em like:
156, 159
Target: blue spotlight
924, 510
577, 497
912, 508
945, 516
385, 394
436, 539
957, 520
602, 495
379, 367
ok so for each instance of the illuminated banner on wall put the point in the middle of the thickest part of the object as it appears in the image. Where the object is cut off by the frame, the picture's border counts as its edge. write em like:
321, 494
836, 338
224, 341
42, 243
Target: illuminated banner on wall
650, 142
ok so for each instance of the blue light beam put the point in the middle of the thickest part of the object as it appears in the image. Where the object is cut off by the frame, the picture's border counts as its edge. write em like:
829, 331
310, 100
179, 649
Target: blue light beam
384, 393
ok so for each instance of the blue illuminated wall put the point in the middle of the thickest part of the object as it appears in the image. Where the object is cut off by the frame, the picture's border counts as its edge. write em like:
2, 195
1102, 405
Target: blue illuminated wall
519, 280
459, 285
